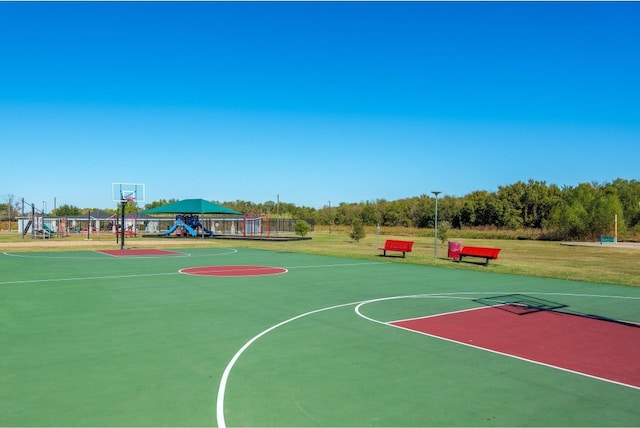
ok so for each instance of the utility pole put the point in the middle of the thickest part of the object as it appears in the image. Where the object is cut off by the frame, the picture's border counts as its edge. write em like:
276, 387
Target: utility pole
435, 227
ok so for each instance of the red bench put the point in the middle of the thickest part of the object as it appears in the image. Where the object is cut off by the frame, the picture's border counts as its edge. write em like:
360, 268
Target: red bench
487, 253
396, 245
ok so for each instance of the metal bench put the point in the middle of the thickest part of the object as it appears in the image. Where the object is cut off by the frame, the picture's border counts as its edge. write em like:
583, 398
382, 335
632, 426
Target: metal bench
607, 239
484, 252
397, 245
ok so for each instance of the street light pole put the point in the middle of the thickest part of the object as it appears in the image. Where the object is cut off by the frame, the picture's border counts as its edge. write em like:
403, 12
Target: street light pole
435, 227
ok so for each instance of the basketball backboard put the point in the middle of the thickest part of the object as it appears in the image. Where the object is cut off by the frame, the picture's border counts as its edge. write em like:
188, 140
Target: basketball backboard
127, 192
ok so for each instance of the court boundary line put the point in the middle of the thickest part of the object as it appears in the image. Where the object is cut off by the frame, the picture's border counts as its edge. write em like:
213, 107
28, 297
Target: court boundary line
86, 278
167, 253
177, 272
177, 256
390, 324
222, 386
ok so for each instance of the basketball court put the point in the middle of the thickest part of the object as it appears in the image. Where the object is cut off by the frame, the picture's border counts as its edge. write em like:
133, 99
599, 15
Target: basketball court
223, 336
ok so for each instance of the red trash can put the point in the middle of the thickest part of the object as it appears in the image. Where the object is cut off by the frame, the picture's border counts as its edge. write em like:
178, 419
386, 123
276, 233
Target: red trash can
454, 250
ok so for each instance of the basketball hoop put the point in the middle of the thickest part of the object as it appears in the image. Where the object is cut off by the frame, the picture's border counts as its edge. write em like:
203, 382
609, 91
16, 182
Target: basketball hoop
127, 192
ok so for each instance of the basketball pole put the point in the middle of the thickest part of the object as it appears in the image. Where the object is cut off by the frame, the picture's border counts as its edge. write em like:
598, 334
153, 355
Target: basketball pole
124, 203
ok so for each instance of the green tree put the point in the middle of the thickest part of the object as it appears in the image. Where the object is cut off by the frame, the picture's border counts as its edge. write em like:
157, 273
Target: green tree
509, 205
357, 229
130, 207
586, 212
370, 214
350, 212
159, 203
423, 211
393, 214
603, 215
301, 228
339, 214
66, 210
443, 230
629, 195
569, 220
325, 216
473, 211
302, 212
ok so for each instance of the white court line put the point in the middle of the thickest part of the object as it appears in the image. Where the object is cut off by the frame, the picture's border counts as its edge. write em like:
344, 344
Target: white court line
168, 253
223, 271
86, 278
177, 256
339, 265
47, 280
39, 281
390, 323
225, 375
221, 422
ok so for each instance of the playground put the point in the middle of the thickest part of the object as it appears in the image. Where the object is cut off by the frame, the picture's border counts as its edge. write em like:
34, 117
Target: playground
188, 225
224, 336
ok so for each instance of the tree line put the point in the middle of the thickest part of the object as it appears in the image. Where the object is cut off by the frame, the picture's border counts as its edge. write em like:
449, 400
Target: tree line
585, 211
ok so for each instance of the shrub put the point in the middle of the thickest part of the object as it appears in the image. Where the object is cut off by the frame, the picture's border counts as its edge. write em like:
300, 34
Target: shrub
443, 231
301, 228
357, 230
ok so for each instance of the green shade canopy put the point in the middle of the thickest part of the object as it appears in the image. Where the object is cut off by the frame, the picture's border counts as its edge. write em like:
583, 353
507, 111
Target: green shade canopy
192, 206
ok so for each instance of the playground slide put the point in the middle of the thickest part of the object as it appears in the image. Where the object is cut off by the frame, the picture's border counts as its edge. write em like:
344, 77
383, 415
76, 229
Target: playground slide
191, 231
204, 229
190, 226
48, 229
172, 229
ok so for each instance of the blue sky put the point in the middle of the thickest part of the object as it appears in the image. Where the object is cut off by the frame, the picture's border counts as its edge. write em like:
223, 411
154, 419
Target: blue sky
314, 102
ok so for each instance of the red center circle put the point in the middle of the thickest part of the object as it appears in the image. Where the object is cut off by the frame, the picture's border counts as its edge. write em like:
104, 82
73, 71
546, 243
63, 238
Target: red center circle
234, 270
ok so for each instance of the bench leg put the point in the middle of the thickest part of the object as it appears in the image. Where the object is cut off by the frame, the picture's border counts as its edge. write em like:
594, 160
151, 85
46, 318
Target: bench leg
403, 253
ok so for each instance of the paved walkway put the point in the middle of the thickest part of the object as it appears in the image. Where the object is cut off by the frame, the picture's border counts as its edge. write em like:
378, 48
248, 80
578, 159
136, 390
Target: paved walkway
626, 245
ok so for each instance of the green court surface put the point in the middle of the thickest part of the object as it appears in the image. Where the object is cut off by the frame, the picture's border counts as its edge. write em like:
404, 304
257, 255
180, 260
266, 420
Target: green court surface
89, 339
